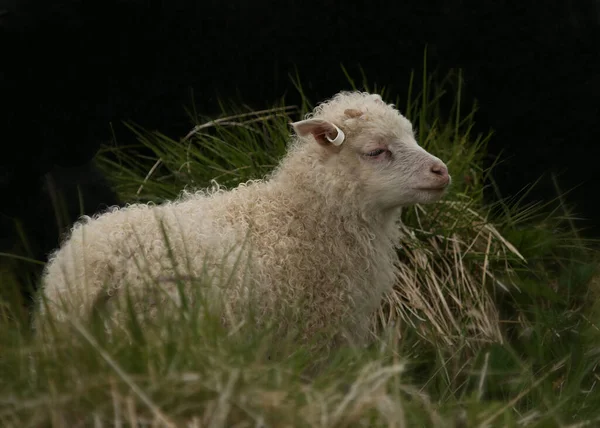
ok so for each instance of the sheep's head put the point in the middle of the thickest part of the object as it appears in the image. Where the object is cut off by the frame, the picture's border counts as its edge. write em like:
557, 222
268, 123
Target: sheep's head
361, 136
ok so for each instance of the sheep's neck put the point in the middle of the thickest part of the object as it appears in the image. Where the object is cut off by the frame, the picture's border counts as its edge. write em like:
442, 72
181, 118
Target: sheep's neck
310, 187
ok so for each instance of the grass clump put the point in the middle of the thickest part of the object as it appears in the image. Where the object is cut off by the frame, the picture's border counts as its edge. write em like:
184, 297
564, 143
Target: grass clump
493, 321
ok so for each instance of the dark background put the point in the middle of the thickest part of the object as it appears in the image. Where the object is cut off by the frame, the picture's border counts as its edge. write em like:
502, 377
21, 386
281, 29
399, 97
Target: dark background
68, 69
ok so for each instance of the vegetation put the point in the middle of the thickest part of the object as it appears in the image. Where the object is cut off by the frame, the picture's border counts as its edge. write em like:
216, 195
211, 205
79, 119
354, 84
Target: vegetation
493, 322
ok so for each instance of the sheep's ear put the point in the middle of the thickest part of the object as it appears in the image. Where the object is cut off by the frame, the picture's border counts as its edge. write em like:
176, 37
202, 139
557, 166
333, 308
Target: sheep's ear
324, 132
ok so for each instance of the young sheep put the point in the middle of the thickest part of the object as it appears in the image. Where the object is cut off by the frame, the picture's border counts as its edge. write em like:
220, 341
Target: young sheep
322, 227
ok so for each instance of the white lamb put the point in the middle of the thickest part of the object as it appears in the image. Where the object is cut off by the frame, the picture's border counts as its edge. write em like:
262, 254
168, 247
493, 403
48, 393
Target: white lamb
319, 234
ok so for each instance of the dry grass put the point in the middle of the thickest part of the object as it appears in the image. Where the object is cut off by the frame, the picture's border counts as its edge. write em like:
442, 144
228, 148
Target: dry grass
448, 280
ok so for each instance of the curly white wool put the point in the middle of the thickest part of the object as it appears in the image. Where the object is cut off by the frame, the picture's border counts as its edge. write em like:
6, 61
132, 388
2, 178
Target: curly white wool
320, 230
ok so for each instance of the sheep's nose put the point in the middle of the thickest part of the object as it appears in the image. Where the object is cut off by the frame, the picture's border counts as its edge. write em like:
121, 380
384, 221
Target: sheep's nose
441, 171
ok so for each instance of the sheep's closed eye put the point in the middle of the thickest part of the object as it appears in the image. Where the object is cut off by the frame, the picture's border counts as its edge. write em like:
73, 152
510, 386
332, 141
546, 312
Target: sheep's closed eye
377, 153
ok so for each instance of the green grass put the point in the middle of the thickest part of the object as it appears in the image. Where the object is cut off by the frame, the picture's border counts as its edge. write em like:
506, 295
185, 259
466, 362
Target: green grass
494, 321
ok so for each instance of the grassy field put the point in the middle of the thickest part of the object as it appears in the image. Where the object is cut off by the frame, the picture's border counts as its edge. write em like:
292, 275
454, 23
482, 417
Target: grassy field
494, 320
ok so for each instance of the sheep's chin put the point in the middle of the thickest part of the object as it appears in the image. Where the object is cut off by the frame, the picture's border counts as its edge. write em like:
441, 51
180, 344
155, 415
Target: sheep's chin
424, 196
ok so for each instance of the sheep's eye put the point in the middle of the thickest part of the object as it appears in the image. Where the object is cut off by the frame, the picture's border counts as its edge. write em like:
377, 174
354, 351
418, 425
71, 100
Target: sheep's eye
375, 152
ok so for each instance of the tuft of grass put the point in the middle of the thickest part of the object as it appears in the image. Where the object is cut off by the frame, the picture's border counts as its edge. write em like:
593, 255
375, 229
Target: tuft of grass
494, 319
230, 150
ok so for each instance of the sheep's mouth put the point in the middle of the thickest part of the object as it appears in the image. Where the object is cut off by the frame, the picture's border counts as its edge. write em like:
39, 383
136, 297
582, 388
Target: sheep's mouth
432, 189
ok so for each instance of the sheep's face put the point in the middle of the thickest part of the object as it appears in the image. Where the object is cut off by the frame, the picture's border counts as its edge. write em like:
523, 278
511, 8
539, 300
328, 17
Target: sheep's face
394, 170
379, 149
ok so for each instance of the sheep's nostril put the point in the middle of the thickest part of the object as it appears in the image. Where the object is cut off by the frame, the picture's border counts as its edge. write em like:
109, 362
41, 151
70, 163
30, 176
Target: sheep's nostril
441, 171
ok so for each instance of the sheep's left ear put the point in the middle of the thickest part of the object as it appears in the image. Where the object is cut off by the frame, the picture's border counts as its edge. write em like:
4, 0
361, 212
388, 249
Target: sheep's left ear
324, 132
